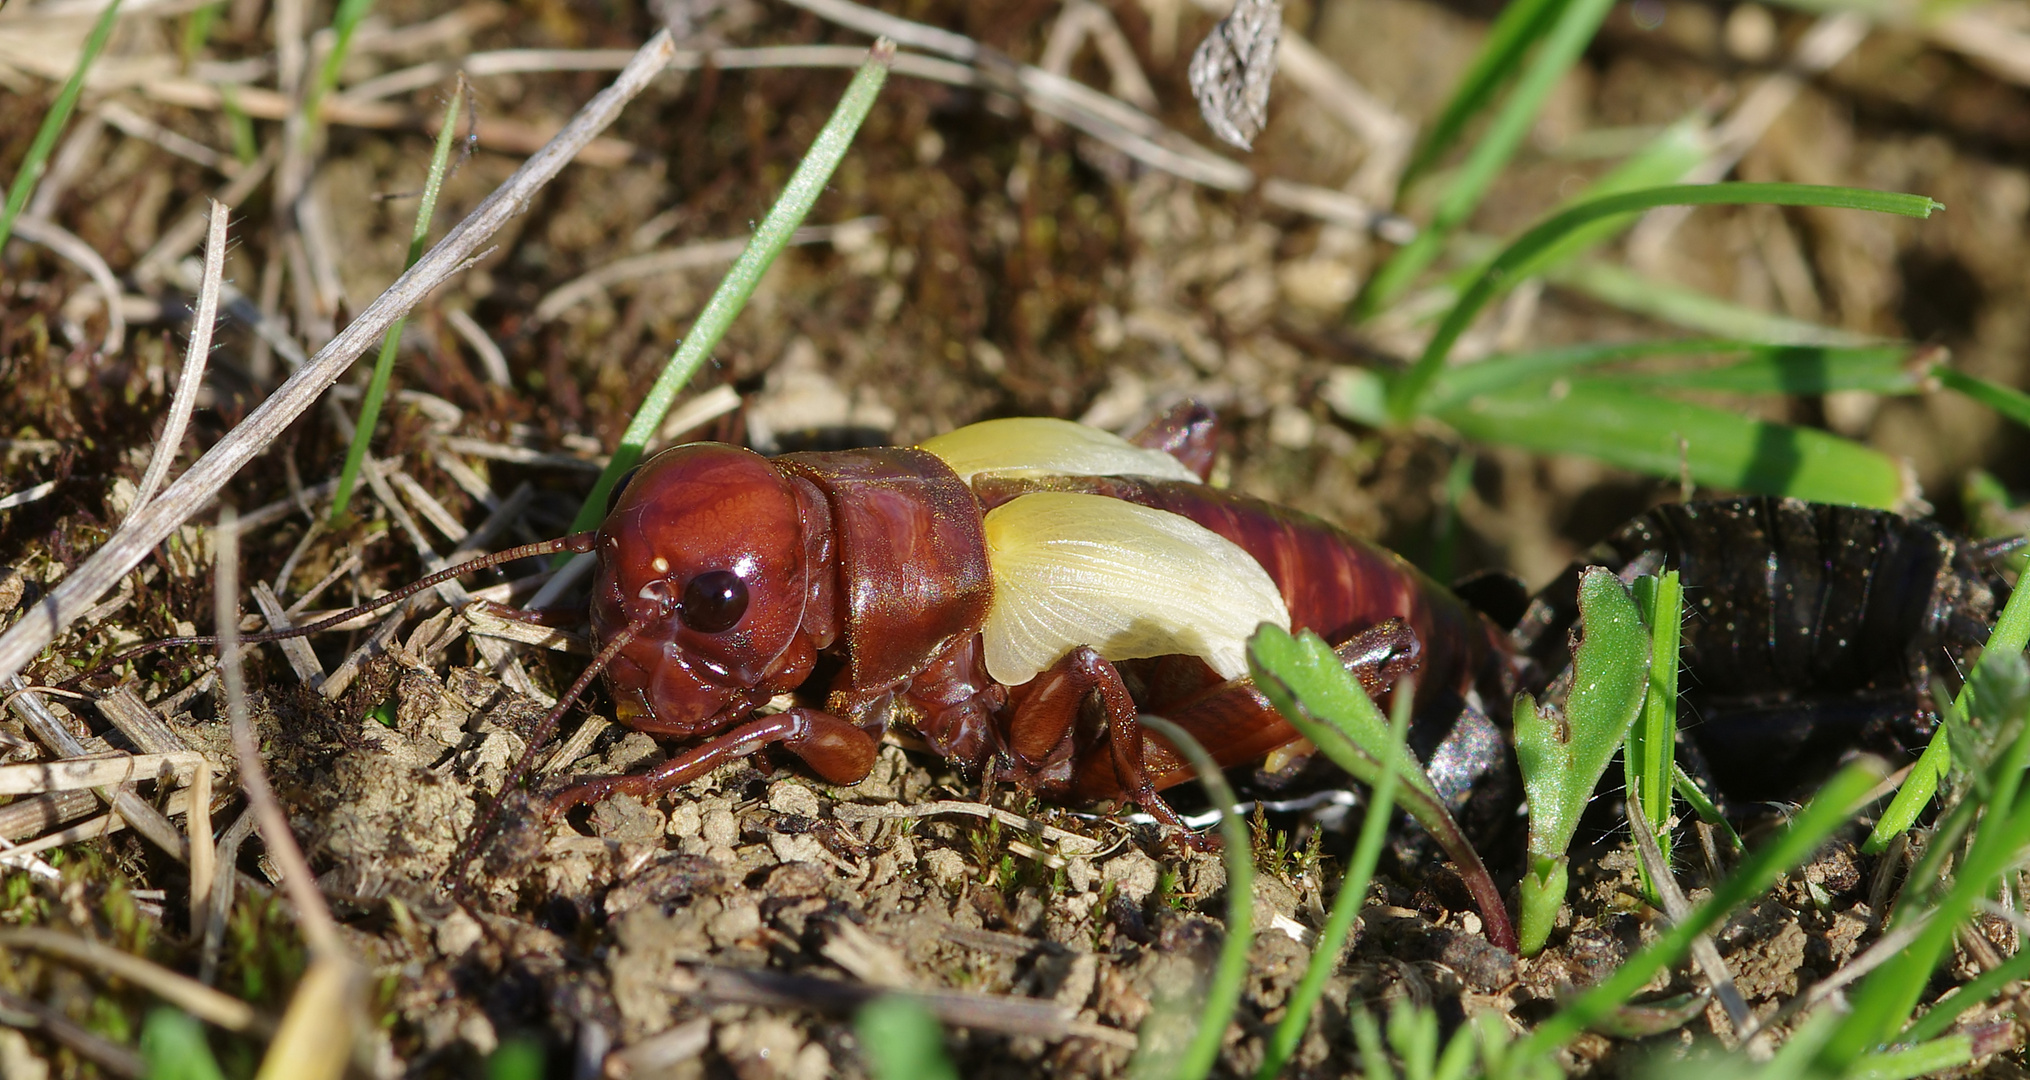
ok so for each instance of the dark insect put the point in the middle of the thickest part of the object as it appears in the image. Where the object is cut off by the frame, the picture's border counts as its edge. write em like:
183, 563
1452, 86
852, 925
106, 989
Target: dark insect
1811, 631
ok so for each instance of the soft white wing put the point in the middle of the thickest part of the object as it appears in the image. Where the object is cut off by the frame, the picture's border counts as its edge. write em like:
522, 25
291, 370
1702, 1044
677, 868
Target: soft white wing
1040, 446
1073, 569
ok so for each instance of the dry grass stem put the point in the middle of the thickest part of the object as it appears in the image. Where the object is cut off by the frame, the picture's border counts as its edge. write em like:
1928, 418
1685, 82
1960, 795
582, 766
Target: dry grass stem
54, 735
221, 893
1704, 951
1831, 38
72, 773
201, 323
491, 359
138, 536
75, 251
108, 1055
1069, 841
28, 495
981, 1012
183, 146
696, 412
302, 658
184, 992
705, 254
177, 240
319, 929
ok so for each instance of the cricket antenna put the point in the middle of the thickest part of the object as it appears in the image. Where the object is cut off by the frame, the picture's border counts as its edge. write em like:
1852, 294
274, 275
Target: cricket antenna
482, 827
576, 543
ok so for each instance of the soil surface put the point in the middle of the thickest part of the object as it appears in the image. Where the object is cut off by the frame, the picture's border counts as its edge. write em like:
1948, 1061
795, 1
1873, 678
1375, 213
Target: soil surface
992, 264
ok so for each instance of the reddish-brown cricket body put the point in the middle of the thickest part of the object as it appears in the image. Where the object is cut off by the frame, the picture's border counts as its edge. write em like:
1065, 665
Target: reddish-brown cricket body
732, 573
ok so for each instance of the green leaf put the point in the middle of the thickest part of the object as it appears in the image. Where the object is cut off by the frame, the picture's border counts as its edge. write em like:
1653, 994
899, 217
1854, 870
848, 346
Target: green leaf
1407, 394
1223, 993
1827, 811
1563, 756
798, 196
1691, 309
1602, 419
902, 1041
1572, 25
174, 1048
1519, 26
1651, 756
1804, 369
1764, 369
53, 121
1308, 683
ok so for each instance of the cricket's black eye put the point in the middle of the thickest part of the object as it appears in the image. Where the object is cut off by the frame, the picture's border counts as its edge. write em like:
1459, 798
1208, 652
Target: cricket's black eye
714, 601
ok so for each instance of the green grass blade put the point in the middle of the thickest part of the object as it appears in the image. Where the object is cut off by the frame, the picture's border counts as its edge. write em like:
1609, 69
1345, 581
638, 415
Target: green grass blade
1224, 992
1977, 991
245, 150
384, 364
1602, 419
2011, 403
902, 1041
1913, 795
1664, 160
783, 218
344, 23
2010, 637
1690, 309
1573, 27
197, 27
1406, 396
1896, 370
1651, 756
1935, 1058
53, 121
1374, 828
174, 1048
1307, 682
1520, 25
1763, 369
1882, 1004
1827, 811
1703, 806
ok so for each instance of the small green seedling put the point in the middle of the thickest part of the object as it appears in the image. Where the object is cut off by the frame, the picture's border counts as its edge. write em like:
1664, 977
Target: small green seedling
1306, 682
902, 1041
384, 364
1564, 754
1353, 887
1651, 756
1159, 1054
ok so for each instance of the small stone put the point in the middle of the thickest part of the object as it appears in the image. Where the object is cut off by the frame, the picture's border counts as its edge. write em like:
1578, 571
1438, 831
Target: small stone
796, 847
457, 932
945, 865
719, 827
1134, 875
1078, 873
790, 797
738, 921
793, 880
685, 820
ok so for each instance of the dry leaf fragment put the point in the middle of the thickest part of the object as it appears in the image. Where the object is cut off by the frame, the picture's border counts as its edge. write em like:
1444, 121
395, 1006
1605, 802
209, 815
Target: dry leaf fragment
1231, 71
